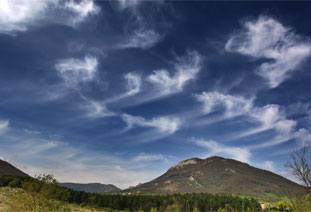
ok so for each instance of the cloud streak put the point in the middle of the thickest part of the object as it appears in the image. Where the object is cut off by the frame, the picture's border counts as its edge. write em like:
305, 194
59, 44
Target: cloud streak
75, 71
186, 68
239, 153
268, 117
4, 125
18, 16
232, 105
163, 124
142, 38
133, 83
149, 157
269, 39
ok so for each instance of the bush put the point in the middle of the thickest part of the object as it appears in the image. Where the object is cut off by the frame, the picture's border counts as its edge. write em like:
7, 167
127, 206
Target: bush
15, 183
21, 201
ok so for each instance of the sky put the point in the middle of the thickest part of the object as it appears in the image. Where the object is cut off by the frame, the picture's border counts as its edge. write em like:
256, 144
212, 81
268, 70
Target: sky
118, 91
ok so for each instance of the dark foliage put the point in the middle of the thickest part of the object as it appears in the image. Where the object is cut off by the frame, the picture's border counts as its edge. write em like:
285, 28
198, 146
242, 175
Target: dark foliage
8, 169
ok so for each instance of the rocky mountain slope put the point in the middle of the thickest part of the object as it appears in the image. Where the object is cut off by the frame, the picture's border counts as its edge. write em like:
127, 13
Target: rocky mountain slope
91, 187
218, 175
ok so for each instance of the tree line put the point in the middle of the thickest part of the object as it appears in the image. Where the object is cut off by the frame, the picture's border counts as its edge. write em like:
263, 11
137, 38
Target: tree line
47, 186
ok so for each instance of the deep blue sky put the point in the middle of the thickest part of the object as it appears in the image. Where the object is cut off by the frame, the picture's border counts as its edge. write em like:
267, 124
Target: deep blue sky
119, 91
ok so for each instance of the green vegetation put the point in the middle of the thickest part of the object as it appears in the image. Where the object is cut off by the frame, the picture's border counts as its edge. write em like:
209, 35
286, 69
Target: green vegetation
44, 194
18, 200
44, 191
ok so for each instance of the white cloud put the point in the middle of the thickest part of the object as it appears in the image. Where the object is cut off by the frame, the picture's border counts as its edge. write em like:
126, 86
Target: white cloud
285, 127
96, 109
233, 105
75, 71
269, 117
142, 38
269, 165
239, 153
140, 34
19, 15
303, 136
132, 4
125, 4
163, 124
267, 38
186, 67
15, 15
4, 125
133, 83
81, 10
149, 157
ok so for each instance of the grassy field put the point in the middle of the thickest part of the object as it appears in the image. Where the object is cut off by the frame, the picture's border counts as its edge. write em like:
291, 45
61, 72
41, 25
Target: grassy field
17, 200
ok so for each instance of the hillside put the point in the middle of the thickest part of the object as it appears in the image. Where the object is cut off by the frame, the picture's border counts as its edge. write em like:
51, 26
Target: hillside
14, 199
8, 169
219, 175
91, 187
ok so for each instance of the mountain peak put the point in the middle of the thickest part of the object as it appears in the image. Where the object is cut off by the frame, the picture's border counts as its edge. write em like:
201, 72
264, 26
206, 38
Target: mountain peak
191, 161
218, 175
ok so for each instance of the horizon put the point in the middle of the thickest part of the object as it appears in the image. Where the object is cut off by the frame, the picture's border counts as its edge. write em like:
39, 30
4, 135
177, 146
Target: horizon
118, 91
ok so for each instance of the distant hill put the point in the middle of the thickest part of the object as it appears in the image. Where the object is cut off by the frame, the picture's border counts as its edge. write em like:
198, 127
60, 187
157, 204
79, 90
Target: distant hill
8, 169
91, 187
218, 175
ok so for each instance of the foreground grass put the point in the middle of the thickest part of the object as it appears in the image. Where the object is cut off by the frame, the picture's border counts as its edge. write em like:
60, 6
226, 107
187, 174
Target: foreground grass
18, 200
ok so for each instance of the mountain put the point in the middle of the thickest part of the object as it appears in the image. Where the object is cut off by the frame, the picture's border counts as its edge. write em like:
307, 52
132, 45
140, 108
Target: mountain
218, 175
91, 187
8, 169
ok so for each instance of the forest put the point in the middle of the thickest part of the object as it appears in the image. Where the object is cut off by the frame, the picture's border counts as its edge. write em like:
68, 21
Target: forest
47, 187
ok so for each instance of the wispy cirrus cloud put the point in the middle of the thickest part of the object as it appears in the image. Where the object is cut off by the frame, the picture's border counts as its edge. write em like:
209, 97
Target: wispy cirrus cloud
162, 83
142, 38
269, 165
80, 10
163, 124
239, 153
75, 71
133, 83
18, 16
303, 136
186, 67
267, 38
268, 117
140, 34
99, 108
232, 105
271, 117
96, 109
150, 157
4, 125
128, 4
